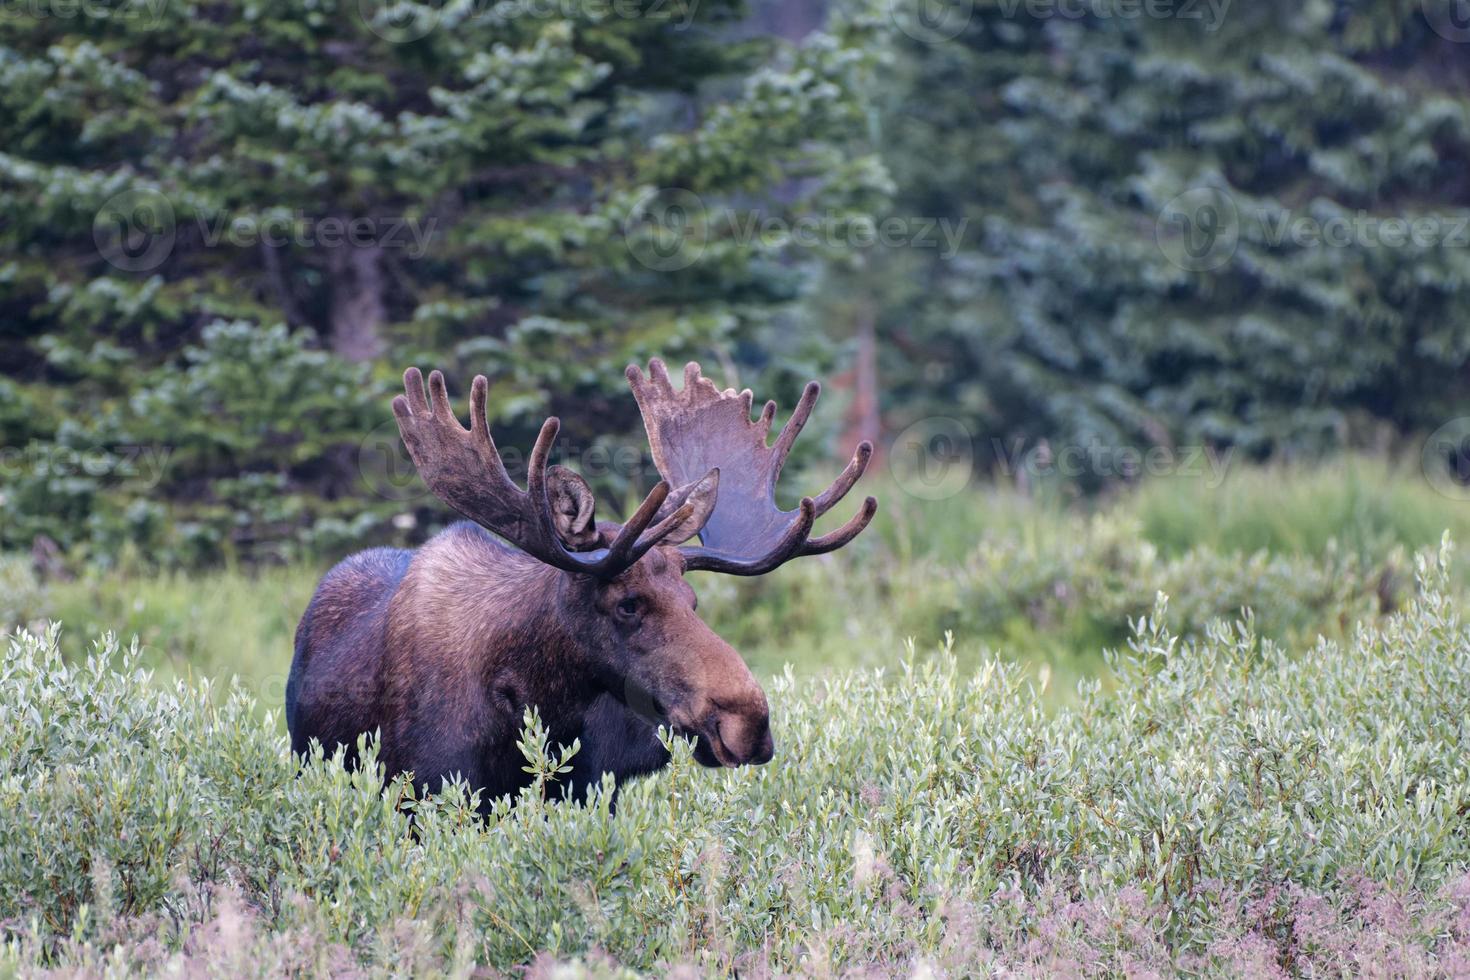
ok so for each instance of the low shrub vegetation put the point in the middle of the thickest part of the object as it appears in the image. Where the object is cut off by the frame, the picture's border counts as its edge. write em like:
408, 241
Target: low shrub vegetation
1020, 578
1231, 805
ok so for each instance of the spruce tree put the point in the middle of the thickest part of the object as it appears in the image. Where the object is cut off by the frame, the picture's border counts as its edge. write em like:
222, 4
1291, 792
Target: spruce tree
330, 191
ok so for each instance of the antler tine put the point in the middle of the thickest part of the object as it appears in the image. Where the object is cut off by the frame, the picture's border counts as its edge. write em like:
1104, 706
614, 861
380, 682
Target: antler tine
540, 502
658, 532
659, 372
439, 396
413, 391
844, 534
829, 497
540, 455
768, 415
627, 538
794, 425
479, 425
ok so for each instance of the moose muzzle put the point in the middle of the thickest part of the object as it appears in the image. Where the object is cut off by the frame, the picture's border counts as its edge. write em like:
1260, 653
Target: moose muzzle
741, 736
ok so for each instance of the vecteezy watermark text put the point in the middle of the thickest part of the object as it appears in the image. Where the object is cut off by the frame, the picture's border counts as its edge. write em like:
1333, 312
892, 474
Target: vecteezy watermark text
149, 12
670, 229
1100, 460
936, 21
297, 228
1201, 229
144, 464
1210, 13
935, 458
136, 231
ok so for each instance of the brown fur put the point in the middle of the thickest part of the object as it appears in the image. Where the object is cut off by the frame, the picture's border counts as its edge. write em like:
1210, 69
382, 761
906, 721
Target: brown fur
443, 649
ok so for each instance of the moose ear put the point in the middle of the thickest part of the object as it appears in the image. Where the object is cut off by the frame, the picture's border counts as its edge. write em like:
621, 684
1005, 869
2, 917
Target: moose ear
572, 509
700, 498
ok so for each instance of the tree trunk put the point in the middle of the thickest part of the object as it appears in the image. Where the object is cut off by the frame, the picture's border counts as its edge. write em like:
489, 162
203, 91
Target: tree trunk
863, 419
357, 302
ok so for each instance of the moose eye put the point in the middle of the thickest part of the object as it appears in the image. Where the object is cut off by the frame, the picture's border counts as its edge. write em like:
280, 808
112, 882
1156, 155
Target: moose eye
628, 608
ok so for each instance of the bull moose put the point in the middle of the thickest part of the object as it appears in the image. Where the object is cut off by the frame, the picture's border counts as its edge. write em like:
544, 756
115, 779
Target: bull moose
532, 601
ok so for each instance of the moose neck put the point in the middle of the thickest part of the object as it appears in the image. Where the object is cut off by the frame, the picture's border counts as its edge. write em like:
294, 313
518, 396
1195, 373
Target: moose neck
491, 617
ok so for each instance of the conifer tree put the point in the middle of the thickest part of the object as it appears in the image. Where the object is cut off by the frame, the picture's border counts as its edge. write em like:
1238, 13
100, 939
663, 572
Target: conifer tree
1158, 204
330, 191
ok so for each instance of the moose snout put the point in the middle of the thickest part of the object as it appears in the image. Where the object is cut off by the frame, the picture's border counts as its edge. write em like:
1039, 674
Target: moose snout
743, 736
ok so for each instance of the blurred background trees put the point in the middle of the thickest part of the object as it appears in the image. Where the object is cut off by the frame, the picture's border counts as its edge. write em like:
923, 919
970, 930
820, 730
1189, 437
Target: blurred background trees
225, 228
1143, 195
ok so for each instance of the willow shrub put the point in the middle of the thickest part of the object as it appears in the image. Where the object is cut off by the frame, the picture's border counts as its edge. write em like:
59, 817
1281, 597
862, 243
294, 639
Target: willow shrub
1230, 806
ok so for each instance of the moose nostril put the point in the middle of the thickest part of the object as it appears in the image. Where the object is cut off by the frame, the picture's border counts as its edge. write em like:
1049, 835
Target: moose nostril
759, 747
765, 748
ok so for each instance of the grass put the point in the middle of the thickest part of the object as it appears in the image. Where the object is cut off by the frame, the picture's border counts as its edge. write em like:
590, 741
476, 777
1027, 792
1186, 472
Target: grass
218, 624
1033, 581
1365, 506
1281, 793
1229, 808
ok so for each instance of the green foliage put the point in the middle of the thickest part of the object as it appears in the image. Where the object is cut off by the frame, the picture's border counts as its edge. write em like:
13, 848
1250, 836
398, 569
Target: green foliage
1074, 312
1366, 506
1025, 579
920, 817
1051, 600
189, 625
23, 601
224, 232
215, 456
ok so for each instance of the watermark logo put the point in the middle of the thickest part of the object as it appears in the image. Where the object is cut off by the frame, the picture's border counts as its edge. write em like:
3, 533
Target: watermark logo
667, 229
1198, 230
931, 21
135, 231
1445, 459
1450, 19
386, 467
398, 21
933, 459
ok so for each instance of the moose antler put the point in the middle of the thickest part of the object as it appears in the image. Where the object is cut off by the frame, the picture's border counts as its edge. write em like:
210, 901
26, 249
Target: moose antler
464, 469
700, 428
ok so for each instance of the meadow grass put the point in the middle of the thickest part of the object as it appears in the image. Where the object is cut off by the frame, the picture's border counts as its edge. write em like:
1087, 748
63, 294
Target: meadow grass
1230, 808
1363, 505
1030, 579
965, 784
